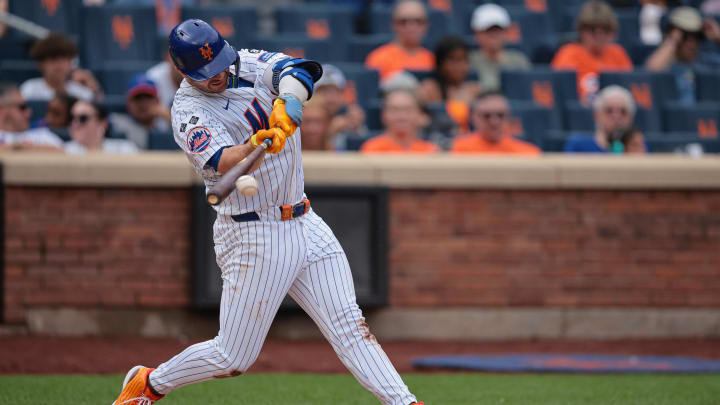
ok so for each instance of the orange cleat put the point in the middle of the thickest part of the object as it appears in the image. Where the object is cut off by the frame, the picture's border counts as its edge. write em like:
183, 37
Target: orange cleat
418, 403
135, 388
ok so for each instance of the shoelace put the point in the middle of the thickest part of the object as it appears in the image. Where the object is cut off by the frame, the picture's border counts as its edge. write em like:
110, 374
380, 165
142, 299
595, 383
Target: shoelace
141, 400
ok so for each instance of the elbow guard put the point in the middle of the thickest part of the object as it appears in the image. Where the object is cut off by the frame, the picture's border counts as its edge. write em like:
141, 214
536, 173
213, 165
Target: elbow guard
307, 72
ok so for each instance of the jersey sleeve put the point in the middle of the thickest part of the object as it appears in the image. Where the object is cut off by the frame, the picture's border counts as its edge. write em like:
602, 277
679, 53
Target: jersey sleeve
256, 67
198, 133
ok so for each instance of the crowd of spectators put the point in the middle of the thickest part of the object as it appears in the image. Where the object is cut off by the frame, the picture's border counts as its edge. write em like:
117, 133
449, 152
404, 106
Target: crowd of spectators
444, 97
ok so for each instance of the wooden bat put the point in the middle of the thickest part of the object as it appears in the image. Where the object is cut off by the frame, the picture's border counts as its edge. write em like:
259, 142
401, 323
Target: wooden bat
226, 184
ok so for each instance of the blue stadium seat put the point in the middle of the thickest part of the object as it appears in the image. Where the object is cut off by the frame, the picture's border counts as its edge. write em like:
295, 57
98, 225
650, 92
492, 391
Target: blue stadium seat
162, 141
530, 30
679, 142
362, 81
639, 53
373, 118
650, 91
533, 122
38, 109
114, 79
707, 85
14, 48
544, 87
554, 141
629, 22
577, 117
440, 24
17, 71
115, 103
237, 24
118, 34
360, 46
321, 50
57, 16
702, 119
316, 21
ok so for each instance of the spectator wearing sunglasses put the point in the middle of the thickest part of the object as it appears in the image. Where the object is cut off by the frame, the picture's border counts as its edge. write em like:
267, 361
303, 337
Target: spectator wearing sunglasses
88, 130
681, 54
54, 56
15, 124
490, 117
145, 113
614, 112
405, 52
490, 23
595, 52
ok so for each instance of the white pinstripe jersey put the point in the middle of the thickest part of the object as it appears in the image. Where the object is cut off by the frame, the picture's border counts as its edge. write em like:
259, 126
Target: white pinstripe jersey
205, 122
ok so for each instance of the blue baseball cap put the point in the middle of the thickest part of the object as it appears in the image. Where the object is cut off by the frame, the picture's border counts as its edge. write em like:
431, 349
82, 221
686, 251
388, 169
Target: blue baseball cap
141, 84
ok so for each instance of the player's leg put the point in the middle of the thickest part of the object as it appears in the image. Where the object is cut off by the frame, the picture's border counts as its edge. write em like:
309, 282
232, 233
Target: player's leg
325, 290
259, 265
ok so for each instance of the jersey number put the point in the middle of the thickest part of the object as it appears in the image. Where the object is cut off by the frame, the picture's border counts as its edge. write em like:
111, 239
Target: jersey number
259, 119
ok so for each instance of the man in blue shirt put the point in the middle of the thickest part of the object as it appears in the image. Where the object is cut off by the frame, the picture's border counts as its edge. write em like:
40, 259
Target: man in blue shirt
613, 112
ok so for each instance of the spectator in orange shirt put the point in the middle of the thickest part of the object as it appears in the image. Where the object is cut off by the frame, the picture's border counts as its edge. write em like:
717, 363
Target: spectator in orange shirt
490, 113
410, 24
597, 26
403, 119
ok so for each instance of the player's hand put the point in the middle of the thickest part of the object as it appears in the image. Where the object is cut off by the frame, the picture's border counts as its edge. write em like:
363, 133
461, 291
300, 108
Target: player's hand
286, 114
276, 134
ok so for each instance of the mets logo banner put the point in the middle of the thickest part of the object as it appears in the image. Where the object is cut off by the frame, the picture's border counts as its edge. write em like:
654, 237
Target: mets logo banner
198, 139
122, 29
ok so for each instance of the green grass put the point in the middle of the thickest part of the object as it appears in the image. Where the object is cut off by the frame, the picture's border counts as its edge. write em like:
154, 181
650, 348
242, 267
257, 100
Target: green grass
434, 389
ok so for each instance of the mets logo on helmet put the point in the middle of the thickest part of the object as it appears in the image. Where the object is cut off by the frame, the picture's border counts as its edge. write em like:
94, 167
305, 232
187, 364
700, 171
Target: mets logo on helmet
206, 51
198, 139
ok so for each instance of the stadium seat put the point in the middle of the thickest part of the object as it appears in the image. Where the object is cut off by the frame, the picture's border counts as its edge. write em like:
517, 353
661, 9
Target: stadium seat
702, 119
162, 141
322, 50
544, 86
372, 115
118, 34
38, 109
57, 16
707, 85
577, 117
17, 71
362, 83
14, 48
115, 103
531, 122
237, 24
114, 79
639, 52
680, 143
440, 24
530, 30
316, 21
360, 46
554, 141
629, 27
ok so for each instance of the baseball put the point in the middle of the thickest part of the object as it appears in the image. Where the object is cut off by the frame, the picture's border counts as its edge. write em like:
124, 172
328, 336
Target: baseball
246, 185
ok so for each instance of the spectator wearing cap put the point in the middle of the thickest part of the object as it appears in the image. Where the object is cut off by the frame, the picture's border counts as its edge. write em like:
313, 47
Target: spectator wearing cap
89, 129
54, 55
613, 112
680, 52
403, 119
597, 26
490, 23
145, 113
405, 52
346, 119
15, 123
450, 85
490, 115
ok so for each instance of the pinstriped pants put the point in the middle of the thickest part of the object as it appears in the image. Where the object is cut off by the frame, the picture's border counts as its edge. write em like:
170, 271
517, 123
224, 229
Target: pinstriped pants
261, 262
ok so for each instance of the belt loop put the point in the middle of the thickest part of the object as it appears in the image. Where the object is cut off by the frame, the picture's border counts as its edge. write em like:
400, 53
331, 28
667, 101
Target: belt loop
286, 211
307, 205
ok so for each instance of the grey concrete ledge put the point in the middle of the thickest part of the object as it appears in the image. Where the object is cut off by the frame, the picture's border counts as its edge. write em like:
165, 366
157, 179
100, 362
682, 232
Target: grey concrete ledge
441, 171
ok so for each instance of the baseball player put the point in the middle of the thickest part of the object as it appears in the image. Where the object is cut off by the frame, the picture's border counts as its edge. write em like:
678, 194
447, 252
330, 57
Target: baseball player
267, 245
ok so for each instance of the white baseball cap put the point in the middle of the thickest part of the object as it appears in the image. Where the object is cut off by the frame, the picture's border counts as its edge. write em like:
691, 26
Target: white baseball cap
332, 76
489, 15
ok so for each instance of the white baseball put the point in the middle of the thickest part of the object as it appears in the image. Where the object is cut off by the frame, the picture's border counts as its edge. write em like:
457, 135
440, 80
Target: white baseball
246, 185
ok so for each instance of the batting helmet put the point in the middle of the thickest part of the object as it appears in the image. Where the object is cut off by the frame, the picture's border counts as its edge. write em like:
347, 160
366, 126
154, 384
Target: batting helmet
199, 51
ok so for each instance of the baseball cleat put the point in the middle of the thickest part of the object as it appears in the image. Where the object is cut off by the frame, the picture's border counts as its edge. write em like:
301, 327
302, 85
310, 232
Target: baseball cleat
135, 388
418, 403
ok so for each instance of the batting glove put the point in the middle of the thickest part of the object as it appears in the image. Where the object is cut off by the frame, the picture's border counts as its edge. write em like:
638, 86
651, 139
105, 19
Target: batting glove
276, 134
286, 113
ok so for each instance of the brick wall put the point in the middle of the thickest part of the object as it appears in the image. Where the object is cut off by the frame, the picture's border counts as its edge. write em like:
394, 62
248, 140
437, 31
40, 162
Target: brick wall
94, 248
555, 248
124, 248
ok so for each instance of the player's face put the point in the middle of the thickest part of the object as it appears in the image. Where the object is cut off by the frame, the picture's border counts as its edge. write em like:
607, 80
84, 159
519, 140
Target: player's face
614, 115
215, 84
14, 113
410, 23
490, 117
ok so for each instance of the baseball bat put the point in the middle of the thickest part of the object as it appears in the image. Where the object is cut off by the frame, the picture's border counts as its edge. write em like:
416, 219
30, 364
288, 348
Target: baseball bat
218, 192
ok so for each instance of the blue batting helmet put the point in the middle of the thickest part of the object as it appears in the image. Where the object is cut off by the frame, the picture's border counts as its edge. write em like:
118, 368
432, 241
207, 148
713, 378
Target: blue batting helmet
199, 51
